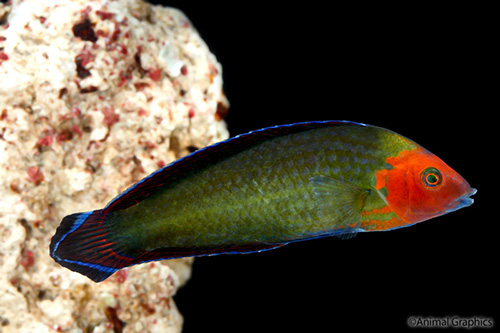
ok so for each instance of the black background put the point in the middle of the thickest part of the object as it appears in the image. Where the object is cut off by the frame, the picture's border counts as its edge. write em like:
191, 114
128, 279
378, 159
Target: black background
420, 71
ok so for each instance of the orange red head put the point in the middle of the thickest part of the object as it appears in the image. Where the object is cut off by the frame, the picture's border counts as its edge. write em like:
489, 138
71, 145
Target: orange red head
421, 186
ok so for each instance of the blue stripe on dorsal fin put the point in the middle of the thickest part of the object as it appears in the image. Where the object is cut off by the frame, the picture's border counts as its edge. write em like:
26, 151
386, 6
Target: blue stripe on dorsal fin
207, 156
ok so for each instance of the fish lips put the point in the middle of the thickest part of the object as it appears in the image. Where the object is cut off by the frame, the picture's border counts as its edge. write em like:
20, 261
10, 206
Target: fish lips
463, 201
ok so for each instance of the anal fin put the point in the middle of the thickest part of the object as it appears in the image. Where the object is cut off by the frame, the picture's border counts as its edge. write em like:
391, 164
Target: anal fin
340, 204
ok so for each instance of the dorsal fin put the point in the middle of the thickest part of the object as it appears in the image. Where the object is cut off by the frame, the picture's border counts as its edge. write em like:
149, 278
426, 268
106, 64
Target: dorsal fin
207, 156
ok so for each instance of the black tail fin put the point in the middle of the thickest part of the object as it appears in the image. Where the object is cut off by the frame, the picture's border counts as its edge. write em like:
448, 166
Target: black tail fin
81, 244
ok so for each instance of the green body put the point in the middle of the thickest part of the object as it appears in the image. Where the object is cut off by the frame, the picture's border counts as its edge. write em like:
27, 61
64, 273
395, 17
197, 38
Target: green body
270, 193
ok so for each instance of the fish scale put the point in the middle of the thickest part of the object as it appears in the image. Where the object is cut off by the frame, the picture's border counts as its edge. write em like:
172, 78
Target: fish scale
289, 211
262, 190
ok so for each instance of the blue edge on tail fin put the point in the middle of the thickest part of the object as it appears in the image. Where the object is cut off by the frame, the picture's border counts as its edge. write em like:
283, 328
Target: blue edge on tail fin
80, 242
68, 225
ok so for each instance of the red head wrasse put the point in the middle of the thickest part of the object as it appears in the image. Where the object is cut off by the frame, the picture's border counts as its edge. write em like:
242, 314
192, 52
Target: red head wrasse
262, 190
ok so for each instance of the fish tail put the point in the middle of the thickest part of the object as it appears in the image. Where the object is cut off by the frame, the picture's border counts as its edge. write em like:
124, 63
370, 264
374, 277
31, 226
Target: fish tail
82, 244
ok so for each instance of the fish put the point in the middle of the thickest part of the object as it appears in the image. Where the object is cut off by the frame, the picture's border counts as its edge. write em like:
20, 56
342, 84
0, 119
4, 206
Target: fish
261, 190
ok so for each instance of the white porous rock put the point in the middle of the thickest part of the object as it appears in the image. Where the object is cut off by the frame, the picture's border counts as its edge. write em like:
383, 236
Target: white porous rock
94, 96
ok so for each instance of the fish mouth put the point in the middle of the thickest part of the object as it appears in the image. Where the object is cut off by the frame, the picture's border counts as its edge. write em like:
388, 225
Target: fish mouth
463, 201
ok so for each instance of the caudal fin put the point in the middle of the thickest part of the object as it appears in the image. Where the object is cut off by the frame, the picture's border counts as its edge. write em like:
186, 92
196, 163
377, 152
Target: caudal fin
82, 244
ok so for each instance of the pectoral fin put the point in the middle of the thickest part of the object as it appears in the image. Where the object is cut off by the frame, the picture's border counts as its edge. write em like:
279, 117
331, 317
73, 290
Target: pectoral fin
340, 204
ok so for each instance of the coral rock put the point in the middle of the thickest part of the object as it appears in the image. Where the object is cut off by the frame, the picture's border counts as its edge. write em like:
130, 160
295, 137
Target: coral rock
94, 96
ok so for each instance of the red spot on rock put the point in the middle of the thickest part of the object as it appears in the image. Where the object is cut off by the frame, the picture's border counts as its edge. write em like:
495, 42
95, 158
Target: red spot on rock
3, 57
155, 74
124, 76
27, 260
75, 112
160, 164
104, 15
149, 145
191, 113
85, 56
116, 33
142, 112
64, 135
85, 12
35, 175
77, 130
110, 117
184, 70
101, 33
121, 276
81, 60
45, 141
122, 49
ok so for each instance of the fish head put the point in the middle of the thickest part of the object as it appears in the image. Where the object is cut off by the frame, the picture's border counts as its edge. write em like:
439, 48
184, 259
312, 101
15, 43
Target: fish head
423, 187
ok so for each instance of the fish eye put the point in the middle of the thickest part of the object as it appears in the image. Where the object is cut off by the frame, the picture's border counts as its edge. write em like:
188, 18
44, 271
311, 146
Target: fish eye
431, 177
